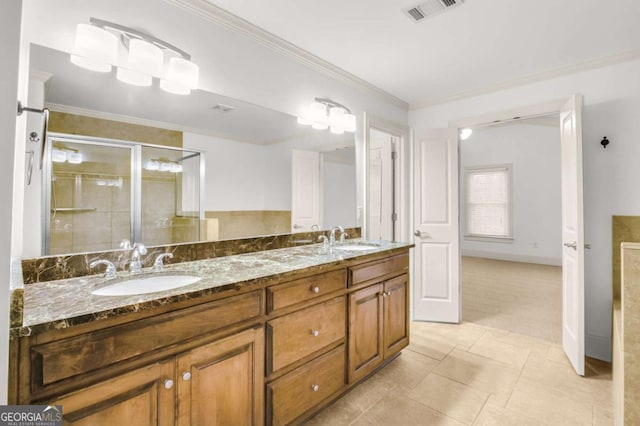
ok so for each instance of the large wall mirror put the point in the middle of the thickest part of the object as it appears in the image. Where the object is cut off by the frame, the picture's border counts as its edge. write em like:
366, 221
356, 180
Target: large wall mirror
249, 187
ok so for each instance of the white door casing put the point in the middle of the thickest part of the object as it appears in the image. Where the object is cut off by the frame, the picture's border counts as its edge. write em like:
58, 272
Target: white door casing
305, 191
572, 233
436, 283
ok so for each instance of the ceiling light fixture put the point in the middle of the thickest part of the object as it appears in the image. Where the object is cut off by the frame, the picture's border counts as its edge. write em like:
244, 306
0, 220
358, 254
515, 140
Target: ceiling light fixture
327, 114
96, 49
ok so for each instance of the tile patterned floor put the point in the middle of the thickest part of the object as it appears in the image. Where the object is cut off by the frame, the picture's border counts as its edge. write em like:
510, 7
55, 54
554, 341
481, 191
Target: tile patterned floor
470, 374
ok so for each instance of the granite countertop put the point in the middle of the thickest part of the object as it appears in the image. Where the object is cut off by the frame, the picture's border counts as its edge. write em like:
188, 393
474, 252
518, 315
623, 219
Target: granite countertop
65, 303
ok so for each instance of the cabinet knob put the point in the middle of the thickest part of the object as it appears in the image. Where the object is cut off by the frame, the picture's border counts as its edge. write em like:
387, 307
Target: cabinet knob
315, 333
384, 294
168, 384
315, 388
315, 289
186, 376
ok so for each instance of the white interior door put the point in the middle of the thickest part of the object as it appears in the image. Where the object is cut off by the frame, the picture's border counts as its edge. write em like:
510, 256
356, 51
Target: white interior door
436, 283
305, 191
572, 233
380, 187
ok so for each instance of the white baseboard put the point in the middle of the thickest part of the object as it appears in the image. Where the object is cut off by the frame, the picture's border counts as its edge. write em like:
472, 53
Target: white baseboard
513, 257
597, 347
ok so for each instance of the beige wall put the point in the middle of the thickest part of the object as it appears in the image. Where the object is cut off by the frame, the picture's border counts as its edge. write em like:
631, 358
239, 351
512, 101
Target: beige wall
624, 229
60, 122
250, 223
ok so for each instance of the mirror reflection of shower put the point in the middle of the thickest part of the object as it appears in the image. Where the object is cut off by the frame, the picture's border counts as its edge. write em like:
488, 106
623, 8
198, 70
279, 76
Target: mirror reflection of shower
99, 192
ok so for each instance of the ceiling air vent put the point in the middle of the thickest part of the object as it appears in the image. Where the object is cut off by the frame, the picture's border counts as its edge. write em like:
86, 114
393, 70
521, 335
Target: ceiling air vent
223, 108
430, 8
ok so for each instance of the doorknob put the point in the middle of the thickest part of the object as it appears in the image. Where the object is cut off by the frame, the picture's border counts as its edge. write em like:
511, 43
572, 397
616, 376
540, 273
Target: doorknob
296, 226
587, 246
419, 233
572, 245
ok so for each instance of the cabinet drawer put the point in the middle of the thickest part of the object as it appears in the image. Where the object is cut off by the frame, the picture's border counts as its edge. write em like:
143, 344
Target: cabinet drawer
81, 354
287, 294
378, 269
295, 336
293, 394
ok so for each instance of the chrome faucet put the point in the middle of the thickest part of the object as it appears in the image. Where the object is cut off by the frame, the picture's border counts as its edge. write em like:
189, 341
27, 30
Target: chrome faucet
332, 235
136, 265
158, 265
110, 270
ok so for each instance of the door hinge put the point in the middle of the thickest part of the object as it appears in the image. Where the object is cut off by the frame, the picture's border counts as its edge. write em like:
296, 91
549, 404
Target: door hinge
394, 155
394, 217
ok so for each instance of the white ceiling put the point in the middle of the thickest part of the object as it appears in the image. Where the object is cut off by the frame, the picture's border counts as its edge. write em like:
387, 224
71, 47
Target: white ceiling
478, 46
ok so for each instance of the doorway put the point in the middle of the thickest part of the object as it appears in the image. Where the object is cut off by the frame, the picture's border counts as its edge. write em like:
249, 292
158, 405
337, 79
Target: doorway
511, 227
436, 293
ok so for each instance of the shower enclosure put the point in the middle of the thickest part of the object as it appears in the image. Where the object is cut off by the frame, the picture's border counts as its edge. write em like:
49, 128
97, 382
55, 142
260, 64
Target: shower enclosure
103, 193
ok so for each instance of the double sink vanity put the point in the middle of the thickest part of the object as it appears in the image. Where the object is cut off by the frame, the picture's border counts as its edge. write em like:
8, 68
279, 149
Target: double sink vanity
269, 336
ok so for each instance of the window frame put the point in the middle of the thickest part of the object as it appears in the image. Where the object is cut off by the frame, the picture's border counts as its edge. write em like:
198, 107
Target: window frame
509, 201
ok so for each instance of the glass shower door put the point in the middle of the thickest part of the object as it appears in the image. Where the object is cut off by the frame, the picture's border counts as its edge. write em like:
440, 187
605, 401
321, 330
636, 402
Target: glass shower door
90, 197
171, 205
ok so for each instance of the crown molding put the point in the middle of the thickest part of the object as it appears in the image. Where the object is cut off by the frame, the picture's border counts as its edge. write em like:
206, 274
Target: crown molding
233, 22
627, 56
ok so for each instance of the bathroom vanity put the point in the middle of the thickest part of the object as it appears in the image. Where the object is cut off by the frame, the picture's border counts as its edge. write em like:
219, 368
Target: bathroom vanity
267, 337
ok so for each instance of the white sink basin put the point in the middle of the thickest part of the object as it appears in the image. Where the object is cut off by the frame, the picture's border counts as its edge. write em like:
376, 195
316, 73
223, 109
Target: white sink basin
356, 247
146, 285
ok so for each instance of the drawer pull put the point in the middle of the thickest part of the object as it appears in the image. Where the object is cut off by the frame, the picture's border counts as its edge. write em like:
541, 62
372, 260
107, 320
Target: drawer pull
186, 376
315, 388
315, 333
168, 384
315, 289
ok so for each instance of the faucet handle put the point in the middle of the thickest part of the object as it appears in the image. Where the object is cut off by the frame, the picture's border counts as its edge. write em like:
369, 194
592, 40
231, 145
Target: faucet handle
142, 249
125, 244
110, 270
343, 236
323, 239
158, 265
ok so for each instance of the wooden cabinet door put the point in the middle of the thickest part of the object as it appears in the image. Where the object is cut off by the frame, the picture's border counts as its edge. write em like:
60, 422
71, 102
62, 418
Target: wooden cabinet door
222, 383
145, 396
365, 331
396, 318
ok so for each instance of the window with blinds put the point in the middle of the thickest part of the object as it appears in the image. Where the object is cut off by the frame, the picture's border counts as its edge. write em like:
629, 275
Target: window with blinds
488, 201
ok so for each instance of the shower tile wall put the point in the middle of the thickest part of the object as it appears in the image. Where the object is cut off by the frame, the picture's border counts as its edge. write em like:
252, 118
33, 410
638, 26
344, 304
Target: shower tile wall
99, 229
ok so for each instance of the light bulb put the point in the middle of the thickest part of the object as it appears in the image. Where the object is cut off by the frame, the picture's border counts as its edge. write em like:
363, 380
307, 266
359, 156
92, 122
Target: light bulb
183, 72
336, 129
318, 112
165, 167
58, 155
175, 168
144, 57
336, 116
74, 157
304, 121
152, 165
319, 126
95, 48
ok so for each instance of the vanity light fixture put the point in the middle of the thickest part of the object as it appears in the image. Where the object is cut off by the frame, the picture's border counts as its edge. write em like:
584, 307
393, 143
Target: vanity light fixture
96, 49
163, 166
327, 114
66, 155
